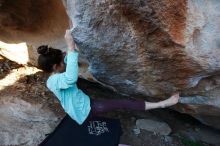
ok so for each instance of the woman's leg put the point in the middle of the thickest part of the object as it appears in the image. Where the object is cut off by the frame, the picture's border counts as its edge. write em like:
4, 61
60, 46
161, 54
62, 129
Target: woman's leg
101, 106
162, 104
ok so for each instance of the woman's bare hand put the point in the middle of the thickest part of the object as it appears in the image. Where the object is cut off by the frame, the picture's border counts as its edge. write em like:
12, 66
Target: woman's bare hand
69, 40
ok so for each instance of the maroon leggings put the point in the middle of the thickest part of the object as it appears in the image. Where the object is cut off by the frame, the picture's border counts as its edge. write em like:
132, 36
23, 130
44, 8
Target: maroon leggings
101, 106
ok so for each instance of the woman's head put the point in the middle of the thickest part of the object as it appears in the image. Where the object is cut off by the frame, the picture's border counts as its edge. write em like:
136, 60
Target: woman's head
50, 60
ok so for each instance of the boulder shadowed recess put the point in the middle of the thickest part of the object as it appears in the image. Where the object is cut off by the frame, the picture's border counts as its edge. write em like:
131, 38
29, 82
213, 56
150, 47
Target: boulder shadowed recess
33, 22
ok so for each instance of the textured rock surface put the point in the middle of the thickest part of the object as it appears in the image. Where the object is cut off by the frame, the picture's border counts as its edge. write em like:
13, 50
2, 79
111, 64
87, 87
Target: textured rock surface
28, 111
23, 123
154, 48
153, 126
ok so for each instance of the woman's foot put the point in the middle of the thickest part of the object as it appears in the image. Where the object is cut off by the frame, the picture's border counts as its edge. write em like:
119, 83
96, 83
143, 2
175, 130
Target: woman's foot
170, 101
162, 104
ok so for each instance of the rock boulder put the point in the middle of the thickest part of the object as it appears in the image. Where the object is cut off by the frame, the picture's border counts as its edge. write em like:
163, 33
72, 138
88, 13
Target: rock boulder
154, 48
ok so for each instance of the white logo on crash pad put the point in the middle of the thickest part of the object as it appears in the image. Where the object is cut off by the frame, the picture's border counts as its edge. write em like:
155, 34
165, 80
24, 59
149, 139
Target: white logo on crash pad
97, 128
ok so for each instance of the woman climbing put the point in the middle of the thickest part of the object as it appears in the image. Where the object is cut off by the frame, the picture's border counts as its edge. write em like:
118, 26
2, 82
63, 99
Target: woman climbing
62, 82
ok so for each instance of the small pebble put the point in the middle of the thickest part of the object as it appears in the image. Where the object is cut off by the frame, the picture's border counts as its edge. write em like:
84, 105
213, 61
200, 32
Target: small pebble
136, 131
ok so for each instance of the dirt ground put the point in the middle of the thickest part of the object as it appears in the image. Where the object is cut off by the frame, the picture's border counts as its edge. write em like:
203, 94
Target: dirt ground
28, 83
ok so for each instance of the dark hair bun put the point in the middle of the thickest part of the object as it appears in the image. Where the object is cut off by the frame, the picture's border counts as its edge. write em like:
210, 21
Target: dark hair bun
43, 50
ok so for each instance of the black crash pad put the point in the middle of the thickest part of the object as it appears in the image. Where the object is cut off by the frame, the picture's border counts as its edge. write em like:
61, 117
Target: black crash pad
95, 131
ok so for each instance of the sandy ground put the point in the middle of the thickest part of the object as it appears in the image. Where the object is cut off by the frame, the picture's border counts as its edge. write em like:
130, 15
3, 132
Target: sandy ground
28, 112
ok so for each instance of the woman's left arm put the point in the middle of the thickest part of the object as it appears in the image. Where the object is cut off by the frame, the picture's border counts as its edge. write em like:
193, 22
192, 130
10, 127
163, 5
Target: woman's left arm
69, 77
71, 74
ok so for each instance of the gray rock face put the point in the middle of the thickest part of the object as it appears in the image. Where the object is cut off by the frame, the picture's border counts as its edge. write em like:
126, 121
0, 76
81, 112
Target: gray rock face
23, 123
153, 126
153, 48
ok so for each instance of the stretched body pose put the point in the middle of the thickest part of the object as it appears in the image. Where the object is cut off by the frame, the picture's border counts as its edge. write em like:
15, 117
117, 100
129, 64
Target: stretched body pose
77, 104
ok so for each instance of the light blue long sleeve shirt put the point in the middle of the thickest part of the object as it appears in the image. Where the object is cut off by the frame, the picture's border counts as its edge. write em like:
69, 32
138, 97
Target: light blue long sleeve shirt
75, 103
